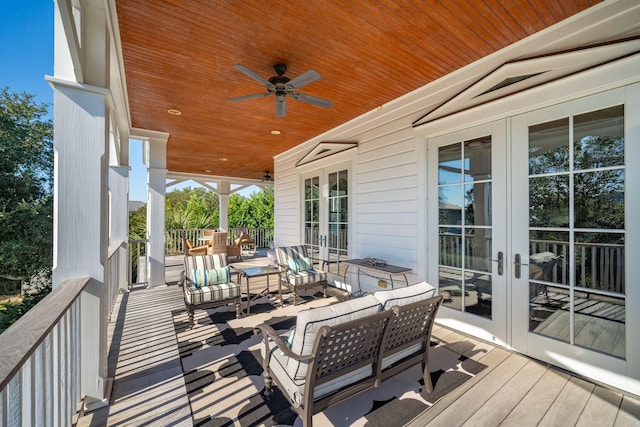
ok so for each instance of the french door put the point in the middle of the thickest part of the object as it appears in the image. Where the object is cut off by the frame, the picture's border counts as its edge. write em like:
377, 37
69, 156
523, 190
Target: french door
467, 217
569, 219
529, 225
326, 216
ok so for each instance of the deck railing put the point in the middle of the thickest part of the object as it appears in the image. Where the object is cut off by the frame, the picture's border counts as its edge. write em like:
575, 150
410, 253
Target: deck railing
599, 266
45, 356
137, 264
174, 238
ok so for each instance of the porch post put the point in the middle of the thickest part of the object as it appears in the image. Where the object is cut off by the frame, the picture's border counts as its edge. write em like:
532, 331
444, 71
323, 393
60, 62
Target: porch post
224, 188
156, 160
119, 216
81, 203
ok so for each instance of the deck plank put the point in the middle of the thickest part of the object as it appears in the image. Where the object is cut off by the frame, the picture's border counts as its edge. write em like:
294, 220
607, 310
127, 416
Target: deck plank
535, 404
629, 413
601, 409
465, 406
569, 405
501, 403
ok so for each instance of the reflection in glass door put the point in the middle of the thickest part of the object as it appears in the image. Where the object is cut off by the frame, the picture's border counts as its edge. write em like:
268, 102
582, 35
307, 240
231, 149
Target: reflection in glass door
326, 218
577, 230
338, 221
465, 225
312, 216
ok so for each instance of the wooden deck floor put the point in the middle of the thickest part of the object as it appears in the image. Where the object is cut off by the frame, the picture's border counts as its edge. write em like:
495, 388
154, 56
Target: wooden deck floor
149, 387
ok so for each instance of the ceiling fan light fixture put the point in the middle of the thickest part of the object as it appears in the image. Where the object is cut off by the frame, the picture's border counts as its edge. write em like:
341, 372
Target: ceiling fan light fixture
282, 87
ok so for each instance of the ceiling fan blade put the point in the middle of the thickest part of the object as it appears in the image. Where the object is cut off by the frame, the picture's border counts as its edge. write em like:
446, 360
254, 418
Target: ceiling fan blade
303, 79
255, 95
310, 99
281, 106
254, 76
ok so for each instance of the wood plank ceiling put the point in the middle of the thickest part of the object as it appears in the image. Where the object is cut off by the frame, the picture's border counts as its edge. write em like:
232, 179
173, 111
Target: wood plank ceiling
180, 54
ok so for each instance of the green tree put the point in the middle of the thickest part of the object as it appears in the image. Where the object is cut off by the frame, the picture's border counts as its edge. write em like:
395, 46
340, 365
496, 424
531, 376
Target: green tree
255, 211
26, 177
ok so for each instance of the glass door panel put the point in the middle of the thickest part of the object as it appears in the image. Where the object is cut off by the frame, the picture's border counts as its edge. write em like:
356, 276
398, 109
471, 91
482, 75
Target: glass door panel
326, 218
577, 230
312, 216
465, 220
570, 159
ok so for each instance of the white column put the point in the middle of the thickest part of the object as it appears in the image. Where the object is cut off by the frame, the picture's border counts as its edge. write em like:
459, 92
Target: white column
224, 188
80, 215
119, 216
156, 159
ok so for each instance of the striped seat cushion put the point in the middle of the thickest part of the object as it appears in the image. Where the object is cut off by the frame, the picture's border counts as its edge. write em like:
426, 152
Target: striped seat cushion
307, 276
211, 293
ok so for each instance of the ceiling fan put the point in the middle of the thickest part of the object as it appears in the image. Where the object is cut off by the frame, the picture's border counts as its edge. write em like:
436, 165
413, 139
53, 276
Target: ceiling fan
267, 177
282, 86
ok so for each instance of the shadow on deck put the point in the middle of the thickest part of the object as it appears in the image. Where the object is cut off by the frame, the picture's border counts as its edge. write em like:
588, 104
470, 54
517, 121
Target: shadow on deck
167, 374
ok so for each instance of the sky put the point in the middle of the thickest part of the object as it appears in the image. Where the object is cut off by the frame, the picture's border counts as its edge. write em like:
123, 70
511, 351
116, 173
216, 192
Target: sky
26, 57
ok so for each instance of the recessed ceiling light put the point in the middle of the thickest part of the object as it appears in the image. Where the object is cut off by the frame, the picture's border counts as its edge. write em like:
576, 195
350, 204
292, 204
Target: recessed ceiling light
275, 132
174, 112
223, 159
207, 170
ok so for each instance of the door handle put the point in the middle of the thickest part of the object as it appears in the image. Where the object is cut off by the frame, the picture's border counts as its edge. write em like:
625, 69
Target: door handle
500, 262
518, 263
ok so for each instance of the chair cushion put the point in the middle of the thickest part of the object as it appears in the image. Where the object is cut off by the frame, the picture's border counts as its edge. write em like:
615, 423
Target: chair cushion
406, 295
304, 277
308, 323
224, 291
295, 388
297, 265
214, 276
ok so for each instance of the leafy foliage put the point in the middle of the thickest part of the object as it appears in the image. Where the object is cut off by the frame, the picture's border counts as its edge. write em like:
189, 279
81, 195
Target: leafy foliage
11, 311
26, 177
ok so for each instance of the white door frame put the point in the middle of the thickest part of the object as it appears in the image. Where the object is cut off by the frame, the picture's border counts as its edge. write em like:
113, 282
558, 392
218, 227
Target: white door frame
494, 329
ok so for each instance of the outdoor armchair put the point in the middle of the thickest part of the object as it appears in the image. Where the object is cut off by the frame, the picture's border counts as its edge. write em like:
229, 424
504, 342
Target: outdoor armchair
218, 243
298, 272
189, 249
209, 283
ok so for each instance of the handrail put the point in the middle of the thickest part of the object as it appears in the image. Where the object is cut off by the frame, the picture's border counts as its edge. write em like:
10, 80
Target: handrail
20, 341
263, 237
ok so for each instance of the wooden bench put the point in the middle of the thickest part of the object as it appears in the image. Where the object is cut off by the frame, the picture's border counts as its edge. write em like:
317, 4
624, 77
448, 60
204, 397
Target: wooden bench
343, 349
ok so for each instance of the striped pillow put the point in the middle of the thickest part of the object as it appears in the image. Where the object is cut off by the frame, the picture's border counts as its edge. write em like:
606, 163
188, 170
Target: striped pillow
215, 276
297, 265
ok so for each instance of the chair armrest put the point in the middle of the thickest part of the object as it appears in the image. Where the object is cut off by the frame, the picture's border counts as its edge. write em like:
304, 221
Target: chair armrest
234, 270
268, 332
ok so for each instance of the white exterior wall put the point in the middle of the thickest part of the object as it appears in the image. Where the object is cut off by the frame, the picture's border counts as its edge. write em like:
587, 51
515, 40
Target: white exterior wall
388, 181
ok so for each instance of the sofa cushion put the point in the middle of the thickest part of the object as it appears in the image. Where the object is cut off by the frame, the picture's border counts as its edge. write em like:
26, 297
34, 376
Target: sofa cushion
310, 321
295, 388
406, 295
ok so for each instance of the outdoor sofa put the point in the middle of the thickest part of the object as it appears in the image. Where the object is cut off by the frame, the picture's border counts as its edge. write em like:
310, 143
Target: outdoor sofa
340, 350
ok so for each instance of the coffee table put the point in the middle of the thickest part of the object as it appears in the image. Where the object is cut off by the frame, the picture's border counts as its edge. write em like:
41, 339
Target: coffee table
258, 272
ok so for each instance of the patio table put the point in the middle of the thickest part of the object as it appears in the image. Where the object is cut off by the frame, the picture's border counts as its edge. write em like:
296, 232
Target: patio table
258, 272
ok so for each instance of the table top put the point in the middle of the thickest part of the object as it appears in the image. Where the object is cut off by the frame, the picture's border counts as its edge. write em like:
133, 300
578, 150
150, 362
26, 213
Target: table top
386, 268
259, 271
